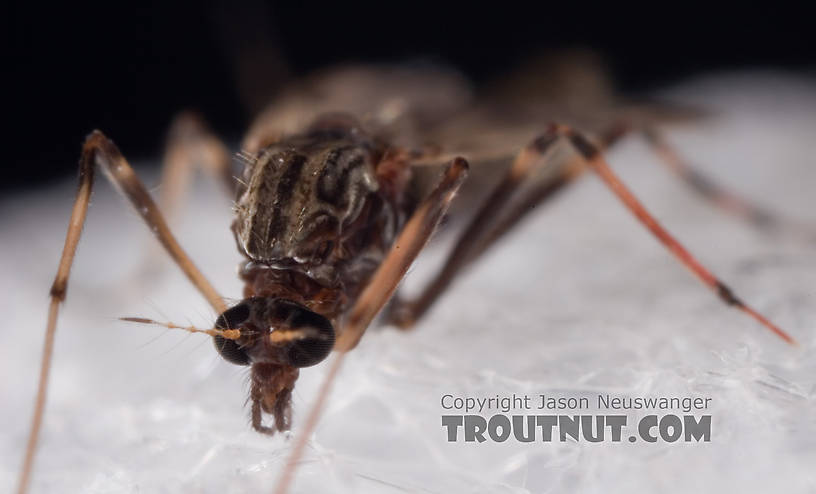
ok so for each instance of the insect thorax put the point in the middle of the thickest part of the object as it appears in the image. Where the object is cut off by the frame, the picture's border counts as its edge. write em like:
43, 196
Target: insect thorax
314, 211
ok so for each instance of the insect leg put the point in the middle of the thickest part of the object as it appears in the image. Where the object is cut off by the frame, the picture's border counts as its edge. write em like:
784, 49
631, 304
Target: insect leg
716, 194
491, 221
99, 150
409, 312
596, 161
380, 288
542, 192
191, 145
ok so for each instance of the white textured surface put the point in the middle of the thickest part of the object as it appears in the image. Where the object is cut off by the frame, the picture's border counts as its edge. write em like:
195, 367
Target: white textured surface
578, 300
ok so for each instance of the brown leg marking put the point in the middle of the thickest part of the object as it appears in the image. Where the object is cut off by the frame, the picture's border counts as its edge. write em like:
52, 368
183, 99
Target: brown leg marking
99, 150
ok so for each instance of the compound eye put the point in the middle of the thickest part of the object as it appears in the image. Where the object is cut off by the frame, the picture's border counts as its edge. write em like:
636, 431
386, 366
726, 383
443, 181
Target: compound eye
316, 341
232, 318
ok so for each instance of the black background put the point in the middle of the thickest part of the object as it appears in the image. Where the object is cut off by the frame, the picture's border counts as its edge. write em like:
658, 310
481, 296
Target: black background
128, 69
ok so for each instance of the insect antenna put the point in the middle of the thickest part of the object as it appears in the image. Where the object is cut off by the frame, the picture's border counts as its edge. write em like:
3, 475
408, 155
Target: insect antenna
228, 334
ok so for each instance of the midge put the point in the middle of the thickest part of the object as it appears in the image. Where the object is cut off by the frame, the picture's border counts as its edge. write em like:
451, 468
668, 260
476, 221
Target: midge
330, 213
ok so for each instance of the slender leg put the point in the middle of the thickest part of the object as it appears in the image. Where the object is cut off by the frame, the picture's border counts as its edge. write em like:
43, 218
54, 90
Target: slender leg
542, 192
719, 196
380, 288
596, 161
479, 236
191, 145
99, 150
491, 221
